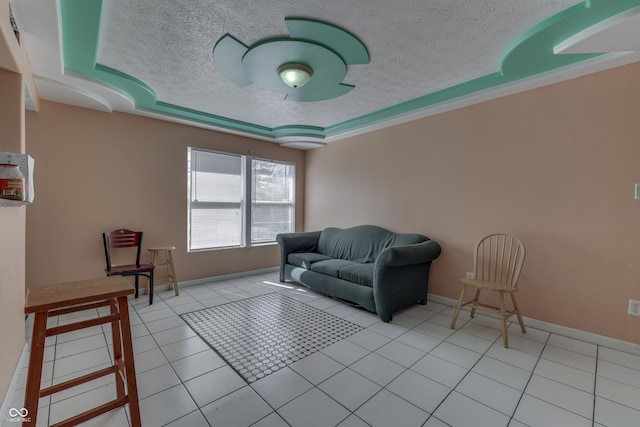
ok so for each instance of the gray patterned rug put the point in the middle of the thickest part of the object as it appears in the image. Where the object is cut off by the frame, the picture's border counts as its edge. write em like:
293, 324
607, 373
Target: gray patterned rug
260, 335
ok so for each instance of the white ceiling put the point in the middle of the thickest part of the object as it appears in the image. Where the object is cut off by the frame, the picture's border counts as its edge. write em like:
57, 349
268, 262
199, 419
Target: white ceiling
417, 47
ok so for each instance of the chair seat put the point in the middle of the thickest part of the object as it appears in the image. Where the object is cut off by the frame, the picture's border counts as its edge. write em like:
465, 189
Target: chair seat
128, 269
488, 284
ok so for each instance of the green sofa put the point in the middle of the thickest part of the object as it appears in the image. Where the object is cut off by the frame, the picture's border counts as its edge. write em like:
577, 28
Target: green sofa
375, 268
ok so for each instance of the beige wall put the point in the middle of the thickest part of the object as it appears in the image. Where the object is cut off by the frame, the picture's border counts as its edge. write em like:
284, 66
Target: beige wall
12, 242
14, 71
556, 166
97, 171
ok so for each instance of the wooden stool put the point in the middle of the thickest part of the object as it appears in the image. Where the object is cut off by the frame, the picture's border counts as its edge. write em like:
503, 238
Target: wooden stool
168, 263
63, 298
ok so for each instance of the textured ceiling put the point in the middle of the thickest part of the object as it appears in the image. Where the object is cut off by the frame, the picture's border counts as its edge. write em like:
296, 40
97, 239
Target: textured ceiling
422, 54
416, 47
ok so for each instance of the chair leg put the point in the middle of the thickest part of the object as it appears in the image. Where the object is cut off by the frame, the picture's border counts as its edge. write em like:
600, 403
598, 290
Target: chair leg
129, 366
36, 358
136, 282
151, 287
475, 303
152, 261
172, 272
503, 317
457, 312
517, 309
117, 346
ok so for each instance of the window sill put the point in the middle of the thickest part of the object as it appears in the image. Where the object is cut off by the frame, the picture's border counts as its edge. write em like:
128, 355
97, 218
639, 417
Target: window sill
255, 245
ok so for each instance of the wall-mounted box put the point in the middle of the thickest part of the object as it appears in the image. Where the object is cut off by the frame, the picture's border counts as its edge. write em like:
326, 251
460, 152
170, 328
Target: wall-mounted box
25, 162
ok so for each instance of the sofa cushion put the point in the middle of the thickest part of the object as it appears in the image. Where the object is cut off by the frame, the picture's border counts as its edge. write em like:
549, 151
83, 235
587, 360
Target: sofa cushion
361, 274
331, 267
363, 243
305, 259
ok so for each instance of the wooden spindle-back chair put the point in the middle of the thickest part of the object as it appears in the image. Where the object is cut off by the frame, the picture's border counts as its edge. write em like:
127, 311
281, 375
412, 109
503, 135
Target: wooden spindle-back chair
497, 261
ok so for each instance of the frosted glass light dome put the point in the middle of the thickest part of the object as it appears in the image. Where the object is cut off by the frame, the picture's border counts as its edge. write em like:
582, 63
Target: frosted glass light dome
295, 75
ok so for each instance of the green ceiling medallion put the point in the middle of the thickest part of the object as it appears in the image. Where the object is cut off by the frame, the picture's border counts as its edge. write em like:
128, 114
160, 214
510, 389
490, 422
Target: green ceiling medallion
324, 49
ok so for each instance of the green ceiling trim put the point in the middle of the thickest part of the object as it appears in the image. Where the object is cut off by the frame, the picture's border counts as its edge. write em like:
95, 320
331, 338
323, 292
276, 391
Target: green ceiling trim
80, 34
528, 55
209, 119
81, 29
532, 52
467, 88
316, 132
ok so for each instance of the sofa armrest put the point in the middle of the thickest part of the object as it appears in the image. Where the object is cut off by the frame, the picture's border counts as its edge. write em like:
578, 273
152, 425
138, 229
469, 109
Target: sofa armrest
398, 256
401, 276
295, 242
298, 242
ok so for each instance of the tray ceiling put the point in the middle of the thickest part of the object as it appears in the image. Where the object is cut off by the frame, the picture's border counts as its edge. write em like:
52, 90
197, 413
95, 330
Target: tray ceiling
155, 57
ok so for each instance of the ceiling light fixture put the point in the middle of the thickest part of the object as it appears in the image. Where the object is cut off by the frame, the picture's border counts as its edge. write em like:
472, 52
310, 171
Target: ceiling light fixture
295, 75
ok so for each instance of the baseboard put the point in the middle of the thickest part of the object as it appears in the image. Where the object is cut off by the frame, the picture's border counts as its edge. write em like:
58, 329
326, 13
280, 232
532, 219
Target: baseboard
205, 280
616, 344
23, 362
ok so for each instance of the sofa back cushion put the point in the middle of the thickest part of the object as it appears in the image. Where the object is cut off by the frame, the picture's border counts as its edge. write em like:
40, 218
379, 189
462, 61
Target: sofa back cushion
362, 243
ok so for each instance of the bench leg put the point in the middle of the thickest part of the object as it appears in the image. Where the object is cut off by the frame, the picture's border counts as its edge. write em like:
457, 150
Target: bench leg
34, 372
129, 367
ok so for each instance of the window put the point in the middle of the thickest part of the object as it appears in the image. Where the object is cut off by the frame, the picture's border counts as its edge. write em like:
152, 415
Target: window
215, 208
220, 185
271, 200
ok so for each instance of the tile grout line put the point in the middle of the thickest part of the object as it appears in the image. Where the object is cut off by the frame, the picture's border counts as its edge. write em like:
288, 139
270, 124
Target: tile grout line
559, 382
353, 413
405, 368
274, 410
617, 381
53, 370
595, 383
172, 368
463, 377
529, 380
247, 384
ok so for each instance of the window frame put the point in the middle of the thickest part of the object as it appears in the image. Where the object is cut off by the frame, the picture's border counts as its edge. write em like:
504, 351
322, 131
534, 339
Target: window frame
251, 195
246, 202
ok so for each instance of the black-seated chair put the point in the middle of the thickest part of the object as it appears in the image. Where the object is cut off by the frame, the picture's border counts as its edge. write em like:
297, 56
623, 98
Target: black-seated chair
122, 239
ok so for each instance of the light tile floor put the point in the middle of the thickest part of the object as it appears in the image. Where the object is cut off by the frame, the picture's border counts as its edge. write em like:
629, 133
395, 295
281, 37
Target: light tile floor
414, 371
